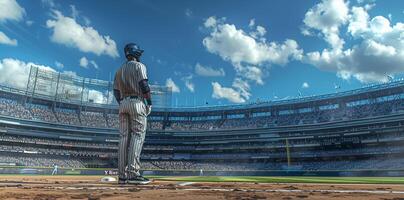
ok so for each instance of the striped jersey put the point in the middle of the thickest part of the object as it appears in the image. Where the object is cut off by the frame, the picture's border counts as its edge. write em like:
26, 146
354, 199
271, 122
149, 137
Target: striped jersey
127, 78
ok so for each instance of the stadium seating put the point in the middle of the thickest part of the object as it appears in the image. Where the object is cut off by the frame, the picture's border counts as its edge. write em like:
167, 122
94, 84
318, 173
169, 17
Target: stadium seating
14, 108
93, 119
356, 135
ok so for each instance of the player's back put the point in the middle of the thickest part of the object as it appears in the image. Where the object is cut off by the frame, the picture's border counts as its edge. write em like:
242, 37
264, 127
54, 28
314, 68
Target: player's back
128, 76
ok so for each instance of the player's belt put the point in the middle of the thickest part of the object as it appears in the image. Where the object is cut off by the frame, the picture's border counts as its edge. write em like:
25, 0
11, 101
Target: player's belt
132, 97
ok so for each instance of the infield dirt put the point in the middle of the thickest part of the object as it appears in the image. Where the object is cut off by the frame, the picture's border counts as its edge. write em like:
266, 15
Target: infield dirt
90, 187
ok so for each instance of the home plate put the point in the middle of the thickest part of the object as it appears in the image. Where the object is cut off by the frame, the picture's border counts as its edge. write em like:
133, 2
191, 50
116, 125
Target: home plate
108, 179
185, 183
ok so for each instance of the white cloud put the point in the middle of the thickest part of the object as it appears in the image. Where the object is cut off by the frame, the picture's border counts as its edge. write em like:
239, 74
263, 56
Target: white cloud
190, 86
237, 46
188, 83
48, 3
259, 33
208, 71
75, 12
230, 94
210, 22
358, 23
327, 17
85, 38
170, 83
305, 31
59, 65
252, 23
377, 50
261, 30
83, 62
4, 39
14, 72
249, 53
87, 21
29, 22
305, 85
10, 10
188, 12
251, 73
379, 25
242, 87
76, 15
94, 64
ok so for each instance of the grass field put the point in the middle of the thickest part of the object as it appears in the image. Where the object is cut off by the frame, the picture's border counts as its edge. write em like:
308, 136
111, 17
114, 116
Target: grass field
254, 179
289, 179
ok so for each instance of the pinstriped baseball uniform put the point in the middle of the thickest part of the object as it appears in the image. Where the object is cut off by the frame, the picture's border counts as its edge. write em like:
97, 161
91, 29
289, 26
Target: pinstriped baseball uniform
132, 117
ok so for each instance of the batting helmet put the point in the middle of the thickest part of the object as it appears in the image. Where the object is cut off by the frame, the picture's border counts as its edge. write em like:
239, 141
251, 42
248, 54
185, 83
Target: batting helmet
133, 49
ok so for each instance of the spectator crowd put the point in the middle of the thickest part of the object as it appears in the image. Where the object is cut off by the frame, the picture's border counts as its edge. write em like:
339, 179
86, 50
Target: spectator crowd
30, 151
106, 119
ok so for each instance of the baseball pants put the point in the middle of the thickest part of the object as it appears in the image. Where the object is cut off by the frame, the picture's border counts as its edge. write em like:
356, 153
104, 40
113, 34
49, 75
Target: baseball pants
132, 129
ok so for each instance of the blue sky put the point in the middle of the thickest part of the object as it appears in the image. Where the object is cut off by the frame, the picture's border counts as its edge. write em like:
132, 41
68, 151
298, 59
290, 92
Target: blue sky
216, 51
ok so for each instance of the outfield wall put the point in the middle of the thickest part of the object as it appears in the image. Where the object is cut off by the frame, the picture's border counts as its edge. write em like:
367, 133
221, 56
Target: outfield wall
367, 173
88, 171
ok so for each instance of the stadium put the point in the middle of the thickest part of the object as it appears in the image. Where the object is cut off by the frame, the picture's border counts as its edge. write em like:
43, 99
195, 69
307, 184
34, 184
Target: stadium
55, 121
201, 100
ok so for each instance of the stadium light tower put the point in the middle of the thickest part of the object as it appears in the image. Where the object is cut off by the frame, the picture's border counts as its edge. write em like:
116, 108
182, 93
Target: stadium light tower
390, 78
337, 87
300, 94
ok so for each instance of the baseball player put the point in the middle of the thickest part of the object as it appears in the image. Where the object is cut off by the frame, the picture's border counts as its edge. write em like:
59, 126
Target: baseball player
55, 169
132, 92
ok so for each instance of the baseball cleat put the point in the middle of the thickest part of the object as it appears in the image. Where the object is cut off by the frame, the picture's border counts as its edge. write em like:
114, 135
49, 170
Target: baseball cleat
139, 180
122, 181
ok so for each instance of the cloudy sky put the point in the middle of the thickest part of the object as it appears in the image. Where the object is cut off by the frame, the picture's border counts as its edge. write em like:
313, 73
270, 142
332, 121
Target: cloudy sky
221, 52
